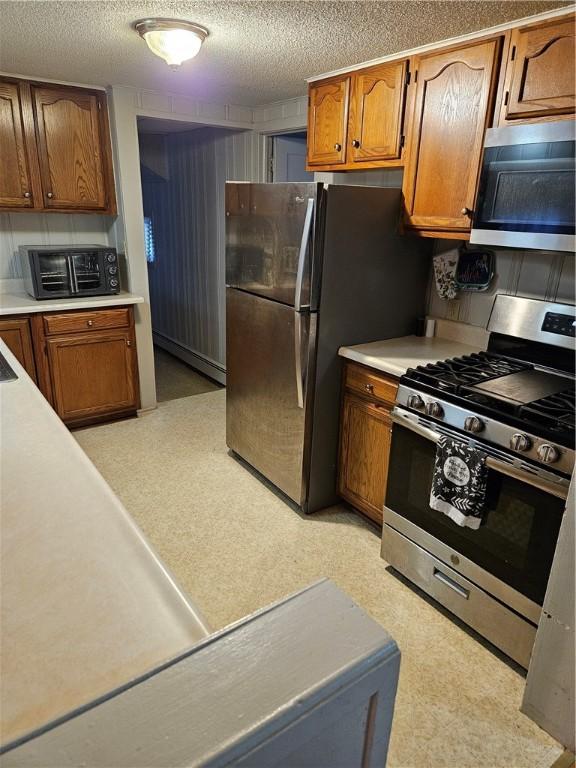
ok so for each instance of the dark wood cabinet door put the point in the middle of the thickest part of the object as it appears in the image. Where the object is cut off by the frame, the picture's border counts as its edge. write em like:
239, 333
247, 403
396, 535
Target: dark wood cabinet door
15, 333
15, 179
454, 93
541, 81
327, 121
93, 374
72, 148
364, 453
376, 112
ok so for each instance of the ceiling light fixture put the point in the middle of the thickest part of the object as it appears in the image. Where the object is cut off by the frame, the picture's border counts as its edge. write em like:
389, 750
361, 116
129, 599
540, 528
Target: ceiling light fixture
173, 40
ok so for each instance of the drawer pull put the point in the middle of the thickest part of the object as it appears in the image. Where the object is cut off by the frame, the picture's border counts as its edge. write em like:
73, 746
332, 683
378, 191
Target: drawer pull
369, 388
90, 323
465, 593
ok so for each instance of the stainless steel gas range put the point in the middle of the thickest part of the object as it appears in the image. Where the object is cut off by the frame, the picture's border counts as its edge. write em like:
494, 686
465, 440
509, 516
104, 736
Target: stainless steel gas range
515, 402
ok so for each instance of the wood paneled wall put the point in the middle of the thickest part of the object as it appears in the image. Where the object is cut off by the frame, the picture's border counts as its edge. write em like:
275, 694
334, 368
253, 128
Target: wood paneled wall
47, 229
187, 281
536, 274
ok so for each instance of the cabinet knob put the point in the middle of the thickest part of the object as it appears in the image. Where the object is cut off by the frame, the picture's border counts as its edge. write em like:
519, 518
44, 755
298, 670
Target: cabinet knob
337, 147
90, 322
466, 212
355, 143
369, 387
26, 194
50, 195
128, 343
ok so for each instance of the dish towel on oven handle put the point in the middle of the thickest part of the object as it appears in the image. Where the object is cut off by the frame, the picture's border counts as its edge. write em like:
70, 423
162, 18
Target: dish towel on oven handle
459, 482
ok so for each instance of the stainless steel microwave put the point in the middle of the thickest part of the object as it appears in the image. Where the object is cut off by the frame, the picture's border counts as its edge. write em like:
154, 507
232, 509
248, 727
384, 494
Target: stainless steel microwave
53, 271
526, 193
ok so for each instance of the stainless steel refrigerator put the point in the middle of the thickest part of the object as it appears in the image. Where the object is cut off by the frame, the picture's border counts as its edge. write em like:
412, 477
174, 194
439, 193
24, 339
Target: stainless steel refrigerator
309, 268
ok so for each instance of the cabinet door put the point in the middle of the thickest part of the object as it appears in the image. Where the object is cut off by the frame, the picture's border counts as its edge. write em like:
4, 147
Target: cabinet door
376, 112
327, 121
364, 454
71, 148
15, 181
93, 374
453, 98
542, 71
15, 332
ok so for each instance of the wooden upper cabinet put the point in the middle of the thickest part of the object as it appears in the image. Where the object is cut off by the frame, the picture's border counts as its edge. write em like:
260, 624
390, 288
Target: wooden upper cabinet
70, 148
540, 71
328, 121
376, 111
452, 103
55, 150
15, 178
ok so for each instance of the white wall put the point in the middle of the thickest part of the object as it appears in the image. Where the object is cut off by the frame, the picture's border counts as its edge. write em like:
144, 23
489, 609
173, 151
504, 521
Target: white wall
535, 274
187, 280
47, 229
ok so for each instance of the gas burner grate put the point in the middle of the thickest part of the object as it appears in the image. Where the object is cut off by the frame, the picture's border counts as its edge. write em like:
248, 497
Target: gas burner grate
557, 412
450, 375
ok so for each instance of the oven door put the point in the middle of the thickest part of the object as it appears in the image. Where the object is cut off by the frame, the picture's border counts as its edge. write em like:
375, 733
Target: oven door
510, 555
526, 192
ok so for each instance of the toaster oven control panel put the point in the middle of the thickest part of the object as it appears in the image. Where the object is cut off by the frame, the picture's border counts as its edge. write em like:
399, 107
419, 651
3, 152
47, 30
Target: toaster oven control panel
563, 325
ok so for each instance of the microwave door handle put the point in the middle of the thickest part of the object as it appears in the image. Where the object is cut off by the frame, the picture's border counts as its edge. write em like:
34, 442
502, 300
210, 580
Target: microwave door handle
72, 274
557, 488
302, 254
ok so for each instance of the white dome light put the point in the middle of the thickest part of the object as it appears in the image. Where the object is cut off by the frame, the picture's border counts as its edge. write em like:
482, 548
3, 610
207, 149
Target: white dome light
173, 40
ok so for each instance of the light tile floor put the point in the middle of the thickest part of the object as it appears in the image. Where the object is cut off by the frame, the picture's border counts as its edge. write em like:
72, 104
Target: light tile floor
236, 546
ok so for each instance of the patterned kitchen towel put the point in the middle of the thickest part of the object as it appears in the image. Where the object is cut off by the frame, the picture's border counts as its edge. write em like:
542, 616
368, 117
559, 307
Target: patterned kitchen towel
459, 482
445, 266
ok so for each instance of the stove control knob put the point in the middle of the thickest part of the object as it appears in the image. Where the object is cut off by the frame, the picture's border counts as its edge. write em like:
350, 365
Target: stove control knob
548, 453
473, 424
434, 409
520, 442
415, 401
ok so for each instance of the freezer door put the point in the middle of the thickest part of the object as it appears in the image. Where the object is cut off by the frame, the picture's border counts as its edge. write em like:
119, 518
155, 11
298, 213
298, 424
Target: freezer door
268, 351
269, 234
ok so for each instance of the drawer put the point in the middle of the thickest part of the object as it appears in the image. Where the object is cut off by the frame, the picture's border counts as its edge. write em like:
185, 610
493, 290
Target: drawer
506, 629
371, 384
95, 320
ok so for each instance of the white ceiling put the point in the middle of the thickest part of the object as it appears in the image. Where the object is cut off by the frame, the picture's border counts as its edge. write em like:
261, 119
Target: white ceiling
257, 52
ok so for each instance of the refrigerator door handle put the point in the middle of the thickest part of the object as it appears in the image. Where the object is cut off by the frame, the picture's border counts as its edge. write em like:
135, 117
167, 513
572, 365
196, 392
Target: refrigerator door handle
302, 254
300, 373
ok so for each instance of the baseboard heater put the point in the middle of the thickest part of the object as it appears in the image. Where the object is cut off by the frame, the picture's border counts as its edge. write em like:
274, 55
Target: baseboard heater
197, 360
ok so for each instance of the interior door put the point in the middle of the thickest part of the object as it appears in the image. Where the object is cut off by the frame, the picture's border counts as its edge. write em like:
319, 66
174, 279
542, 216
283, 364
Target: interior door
269, 233
15, 183
70, 147
376, 112
453, 98
266, 360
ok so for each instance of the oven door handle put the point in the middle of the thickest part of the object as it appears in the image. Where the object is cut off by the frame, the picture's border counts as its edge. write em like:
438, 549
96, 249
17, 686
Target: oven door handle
558, 489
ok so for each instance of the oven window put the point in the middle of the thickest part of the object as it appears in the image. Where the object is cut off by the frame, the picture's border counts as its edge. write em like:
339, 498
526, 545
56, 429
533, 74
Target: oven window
88, 270
53, 272
528, 188
517, 539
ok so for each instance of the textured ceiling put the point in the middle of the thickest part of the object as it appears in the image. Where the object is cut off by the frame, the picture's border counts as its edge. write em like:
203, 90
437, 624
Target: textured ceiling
257, 52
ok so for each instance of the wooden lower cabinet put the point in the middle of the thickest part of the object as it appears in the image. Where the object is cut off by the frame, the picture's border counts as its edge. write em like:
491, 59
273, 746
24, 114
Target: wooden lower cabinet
15, 333
93, 374
84, 361
365, 433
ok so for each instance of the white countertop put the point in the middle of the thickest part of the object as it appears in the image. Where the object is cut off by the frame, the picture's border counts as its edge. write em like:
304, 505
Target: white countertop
395, 356
86, 605
21, 303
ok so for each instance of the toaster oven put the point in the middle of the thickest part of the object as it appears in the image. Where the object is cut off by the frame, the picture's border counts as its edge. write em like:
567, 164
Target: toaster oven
52, 272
